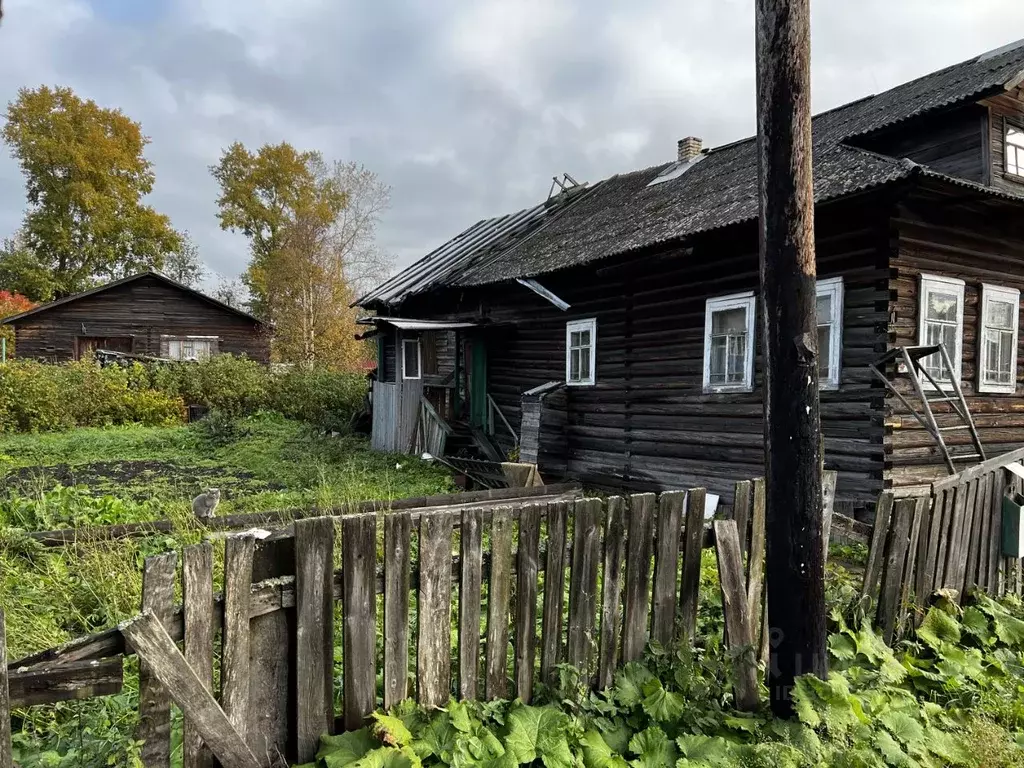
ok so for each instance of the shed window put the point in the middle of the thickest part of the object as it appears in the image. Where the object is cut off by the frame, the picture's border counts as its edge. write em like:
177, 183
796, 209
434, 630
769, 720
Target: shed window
411, 360
1014, 145
729, 343
942, 322
1000, 308
188, 347
830, 331
580, 352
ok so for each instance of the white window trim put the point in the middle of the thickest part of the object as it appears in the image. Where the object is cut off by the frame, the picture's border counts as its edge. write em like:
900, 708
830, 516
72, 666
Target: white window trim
167, 338
747, 301
1011, 295
419, 360
833, 286
922, 306
574, 326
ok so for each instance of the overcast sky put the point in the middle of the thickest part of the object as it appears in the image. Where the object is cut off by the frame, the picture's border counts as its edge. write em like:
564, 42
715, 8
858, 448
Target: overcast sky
466, 108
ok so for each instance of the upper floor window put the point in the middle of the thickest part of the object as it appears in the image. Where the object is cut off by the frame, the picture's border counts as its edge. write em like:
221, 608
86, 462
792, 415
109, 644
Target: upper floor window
411, 359
941, 321
1014, 146
580, 348
997, 364
729, 343
830, 331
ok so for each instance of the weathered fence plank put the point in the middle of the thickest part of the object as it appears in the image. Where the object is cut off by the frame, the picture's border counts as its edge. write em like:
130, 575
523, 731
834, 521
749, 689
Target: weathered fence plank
154, 701
397, 562
586, 551
6, 748
498, 595
974, 550
873, 569
611, 595
949, 503
197, 592
965, 534
234, 675
527, 570
433, 650
554, 586
897, 543
986, 531
755, 559
167, 665
997, 489
638, 575
689, 587
829, 478
359, 571
470, 591
739, 635
67, 682
910, 566
314, 646
741, 511
950, 571
666, 566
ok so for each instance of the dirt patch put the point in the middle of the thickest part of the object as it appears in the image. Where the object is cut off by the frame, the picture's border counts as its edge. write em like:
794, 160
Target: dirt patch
136, 479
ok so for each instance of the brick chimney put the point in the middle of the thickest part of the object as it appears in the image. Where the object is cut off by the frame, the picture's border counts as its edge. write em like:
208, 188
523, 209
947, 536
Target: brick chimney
689, 148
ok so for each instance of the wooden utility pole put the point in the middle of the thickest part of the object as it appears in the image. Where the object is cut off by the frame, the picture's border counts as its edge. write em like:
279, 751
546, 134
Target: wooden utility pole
795, 563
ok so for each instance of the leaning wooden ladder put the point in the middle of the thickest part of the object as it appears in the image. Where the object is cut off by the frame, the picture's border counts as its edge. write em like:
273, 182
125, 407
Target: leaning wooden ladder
910, 358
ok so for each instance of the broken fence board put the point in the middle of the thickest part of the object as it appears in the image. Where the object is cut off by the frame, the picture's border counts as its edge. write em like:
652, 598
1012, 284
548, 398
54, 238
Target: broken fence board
966, 530
756, 557
554, 587
738, 632
611, 594
666, 566
499, 589
910, 565
586, 551
638, 575
72, 681
154, 728
828, 500
197, 592
873, 569
314, 646
359, 609
397, 567
949, 505
741, 511
470, 593
527, 570
433, 649
234, 693
689, 587
167, 665
898, 541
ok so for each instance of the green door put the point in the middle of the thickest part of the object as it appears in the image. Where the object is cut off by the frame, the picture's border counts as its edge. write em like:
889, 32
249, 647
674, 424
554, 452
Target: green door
477, 368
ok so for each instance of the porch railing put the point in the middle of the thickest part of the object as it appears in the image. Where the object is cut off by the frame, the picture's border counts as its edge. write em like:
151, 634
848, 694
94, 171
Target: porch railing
432, 431
492, 409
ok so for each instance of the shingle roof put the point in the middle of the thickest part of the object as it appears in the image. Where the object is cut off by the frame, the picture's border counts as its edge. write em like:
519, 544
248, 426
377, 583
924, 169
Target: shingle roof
623, 213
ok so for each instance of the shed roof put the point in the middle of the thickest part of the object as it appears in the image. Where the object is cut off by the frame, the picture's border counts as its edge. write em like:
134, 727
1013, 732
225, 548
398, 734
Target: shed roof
622, 213
125, 281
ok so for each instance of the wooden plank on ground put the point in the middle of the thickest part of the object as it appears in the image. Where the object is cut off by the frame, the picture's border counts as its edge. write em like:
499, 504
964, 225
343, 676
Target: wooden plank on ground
359, 611
498, 595
873, 569
6, 748
742, 501
611, 594
397, 567
829, 478
234, 675
689, 585
470, 592
554, 587
434, 647
154, 700
666, 566
314, 646
527, 570
898, 540
197, 591
586, 551
738, 632
638, 576
755, 559
67, 682
166, 664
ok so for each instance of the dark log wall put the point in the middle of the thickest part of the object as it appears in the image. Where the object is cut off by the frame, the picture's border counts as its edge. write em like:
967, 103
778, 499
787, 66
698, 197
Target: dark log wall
933, 234
143, 310
647, 423
952, 142
1009, 106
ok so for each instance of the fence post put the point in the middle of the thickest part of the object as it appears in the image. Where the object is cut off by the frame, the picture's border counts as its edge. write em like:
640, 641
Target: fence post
197, 590
359, 573
154, 702
234, 685
6, 756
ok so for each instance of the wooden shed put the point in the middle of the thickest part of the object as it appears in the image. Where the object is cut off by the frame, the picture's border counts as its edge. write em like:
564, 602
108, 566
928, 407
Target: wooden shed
618, 323
144, 314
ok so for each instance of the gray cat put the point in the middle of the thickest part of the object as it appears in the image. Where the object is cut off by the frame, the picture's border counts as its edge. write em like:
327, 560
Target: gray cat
204, 504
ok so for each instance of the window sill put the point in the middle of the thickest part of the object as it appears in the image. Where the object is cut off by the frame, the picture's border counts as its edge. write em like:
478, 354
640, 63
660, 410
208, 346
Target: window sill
732, 390
996, 389
578, 384
1015, 178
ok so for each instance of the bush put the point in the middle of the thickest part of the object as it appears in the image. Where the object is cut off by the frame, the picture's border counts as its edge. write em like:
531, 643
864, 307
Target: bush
324, 398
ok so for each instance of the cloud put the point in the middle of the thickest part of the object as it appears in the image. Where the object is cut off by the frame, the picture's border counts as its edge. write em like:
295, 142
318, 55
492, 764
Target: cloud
466, 109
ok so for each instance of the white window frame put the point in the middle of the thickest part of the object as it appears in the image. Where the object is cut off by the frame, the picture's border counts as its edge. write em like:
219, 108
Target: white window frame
167, 338
833, 287
747, 301
1011, 296
419, 359
946, 284
575, 326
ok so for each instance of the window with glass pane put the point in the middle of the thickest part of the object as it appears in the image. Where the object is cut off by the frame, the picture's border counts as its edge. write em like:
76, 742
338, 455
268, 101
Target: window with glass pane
728, 346
579, 356
942, 306
1014, 150
411, 358
829, 308
998, 339
189, 347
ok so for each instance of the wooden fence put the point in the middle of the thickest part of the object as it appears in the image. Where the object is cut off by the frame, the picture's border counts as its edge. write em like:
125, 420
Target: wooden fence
946, 538
525, 588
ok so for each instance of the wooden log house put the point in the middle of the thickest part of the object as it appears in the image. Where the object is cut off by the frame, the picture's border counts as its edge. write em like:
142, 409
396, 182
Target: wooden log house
614, 327
146, 314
